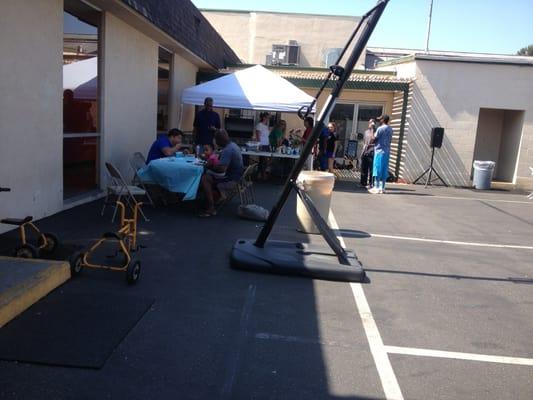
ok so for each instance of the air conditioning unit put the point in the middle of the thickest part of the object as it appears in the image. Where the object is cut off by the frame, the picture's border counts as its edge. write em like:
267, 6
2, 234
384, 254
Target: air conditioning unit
294, 53
283, 54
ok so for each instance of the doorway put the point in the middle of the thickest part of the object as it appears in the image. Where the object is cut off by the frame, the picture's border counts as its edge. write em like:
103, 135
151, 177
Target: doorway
498, 138
81, 108
352, 122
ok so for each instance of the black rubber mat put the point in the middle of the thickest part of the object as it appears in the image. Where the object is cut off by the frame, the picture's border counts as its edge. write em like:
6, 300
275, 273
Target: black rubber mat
72, 330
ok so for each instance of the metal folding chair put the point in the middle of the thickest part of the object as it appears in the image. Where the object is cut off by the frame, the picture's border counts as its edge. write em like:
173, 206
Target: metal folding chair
119, 188
243, 188
137, 161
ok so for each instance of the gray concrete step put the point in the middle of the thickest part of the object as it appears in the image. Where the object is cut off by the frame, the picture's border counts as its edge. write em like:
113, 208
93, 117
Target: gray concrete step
24, 281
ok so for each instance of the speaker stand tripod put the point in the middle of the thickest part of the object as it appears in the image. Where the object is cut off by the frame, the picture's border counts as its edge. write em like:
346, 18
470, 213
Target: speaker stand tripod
431, 170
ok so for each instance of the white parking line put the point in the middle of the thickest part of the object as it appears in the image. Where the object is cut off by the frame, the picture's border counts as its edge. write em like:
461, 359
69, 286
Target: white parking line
411, 351
380, 351
479, 199
475, 244
381, 359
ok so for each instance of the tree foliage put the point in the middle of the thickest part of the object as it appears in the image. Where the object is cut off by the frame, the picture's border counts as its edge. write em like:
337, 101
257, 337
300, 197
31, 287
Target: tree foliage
525, 51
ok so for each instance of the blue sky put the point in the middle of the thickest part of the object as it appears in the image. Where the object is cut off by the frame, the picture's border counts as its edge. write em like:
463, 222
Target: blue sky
483, 26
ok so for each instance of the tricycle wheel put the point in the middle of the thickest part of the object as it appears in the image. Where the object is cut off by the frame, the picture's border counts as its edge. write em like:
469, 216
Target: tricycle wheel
76, 263
51, 242
133, 273
26, 251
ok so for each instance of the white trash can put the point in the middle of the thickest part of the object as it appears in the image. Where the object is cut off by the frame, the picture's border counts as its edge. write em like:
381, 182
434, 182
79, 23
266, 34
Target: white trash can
483, 171
318, 186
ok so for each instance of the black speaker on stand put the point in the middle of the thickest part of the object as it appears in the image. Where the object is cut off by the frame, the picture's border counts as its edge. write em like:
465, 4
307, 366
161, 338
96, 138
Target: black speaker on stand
437, 135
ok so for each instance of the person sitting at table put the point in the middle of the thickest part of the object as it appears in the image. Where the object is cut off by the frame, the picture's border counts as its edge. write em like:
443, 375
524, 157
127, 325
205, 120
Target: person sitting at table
230, 163
209, 155
211, 160
166, 146
277, 134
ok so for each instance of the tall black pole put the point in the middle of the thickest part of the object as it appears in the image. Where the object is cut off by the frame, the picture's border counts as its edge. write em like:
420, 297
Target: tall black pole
372, 19
339, 59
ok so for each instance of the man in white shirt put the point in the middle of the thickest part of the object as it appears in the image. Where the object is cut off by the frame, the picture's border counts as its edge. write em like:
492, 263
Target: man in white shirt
262, 130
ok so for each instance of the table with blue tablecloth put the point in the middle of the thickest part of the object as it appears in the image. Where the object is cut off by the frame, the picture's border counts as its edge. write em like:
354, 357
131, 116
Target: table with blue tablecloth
176, 174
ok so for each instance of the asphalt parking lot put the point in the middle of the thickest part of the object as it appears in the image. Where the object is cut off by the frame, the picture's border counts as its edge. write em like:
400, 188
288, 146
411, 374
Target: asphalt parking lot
451, 288
446, 313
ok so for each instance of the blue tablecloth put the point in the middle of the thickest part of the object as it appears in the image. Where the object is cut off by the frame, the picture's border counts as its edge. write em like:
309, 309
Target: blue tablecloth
176, 174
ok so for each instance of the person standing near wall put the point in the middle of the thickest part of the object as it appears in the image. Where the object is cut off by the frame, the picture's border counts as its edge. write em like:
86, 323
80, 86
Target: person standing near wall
309, 123
262, 131
382, 142
367, 155
277, 134
329, 141
205, 124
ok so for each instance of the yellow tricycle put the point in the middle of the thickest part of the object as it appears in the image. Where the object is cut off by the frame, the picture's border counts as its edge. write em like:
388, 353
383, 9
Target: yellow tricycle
125, 237
46, 242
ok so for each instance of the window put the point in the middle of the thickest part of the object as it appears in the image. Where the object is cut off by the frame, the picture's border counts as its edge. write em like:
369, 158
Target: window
163, 89
81, 136
344, 116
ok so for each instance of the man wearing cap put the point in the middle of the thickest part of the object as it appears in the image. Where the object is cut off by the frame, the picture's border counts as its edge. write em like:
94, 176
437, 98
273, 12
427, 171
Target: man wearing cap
382, 142
206, 123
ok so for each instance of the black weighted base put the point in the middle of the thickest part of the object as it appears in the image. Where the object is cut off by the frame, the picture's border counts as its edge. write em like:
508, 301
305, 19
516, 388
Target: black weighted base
297, 259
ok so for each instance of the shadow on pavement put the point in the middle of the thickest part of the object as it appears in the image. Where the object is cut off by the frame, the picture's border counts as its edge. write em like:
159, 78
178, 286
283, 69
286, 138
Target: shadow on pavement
453, 276
199, 339
525, 221
350, 233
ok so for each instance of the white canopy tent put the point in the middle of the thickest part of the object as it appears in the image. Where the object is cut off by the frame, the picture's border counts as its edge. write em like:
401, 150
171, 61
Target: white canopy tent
254, 88
81, 78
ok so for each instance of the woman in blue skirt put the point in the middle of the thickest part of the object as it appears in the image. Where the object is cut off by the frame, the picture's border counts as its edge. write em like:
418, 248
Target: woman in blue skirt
382, 142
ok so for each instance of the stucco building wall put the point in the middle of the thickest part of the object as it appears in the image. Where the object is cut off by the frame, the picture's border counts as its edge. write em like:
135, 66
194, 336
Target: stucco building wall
451, 94
129, 92
31, 132
183, 76
251, 34
31, 107
348, 96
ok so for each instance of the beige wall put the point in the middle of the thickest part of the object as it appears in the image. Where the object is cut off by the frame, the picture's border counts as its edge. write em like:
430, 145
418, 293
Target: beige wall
183, 76
450, 94
31, 137
31, 125
129, 93
252, 34
347, 96
234, 27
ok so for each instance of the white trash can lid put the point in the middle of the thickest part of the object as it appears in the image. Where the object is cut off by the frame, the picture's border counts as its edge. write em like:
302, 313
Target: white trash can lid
308, 176
484, 164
